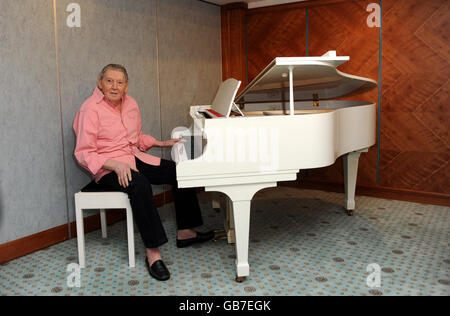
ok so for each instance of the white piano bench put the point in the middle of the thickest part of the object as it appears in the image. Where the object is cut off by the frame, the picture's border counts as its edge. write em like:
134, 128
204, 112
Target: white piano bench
102, 200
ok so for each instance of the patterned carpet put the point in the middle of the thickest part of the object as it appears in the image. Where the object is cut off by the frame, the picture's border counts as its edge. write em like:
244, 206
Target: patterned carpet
301, 243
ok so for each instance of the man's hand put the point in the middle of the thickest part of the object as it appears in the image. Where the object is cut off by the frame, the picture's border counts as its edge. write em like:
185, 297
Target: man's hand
169, 143
123, 171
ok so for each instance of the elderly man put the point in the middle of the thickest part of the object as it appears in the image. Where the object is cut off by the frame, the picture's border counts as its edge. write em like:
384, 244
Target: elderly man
112, 147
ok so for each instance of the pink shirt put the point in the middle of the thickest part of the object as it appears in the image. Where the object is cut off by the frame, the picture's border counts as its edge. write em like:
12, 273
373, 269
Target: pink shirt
103, 132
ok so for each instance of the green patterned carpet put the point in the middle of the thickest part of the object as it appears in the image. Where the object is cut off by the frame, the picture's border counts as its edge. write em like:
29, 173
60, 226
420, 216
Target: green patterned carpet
301, 243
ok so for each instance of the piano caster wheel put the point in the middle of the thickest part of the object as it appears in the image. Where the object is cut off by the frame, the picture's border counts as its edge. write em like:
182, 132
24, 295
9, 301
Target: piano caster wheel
240, 279
350, 212
219, 235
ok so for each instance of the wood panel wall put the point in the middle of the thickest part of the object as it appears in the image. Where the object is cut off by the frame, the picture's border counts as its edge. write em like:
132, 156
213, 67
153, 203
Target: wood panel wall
267, 39
233, 25
412, 154
342, 27
415, 119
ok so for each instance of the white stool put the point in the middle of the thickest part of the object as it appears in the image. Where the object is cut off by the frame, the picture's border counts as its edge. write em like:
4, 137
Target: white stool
102, 201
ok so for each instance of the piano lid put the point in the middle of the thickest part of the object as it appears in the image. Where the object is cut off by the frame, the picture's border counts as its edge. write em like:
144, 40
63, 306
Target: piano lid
313, 78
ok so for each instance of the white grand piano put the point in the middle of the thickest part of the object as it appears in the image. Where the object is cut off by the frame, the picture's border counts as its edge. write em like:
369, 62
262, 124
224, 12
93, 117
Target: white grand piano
289, 121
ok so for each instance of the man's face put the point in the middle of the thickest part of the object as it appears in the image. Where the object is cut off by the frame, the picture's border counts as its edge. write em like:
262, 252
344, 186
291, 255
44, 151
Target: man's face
113, 85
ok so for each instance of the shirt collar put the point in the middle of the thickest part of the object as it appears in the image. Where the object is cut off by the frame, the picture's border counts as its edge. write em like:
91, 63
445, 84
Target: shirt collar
98, 95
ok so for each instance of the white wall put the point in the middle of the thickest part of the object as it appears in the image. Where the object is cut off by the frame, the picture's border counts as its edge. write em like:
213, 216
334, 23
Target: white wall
171, 49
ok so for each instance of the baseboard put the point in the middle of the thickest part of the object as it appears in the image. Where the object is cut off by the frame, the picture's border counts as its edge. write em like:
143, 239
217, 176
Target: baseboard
377, 191
29, 244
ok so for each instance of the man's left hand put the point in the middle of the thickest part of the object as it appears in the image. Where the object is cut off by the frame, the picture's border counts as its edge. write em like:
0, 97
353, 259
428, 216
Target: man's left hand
171, 142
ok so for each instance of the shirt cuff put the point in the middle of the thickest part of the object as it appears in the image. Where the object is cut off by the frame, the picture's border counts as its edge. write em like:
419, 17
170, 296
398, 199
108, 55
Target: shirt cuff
146, 142
97, 165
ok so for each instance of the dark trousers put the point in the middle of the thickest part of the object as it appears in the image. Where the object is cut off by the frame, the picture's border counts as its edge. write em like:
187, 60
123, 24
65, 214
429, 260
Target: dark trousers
139, 190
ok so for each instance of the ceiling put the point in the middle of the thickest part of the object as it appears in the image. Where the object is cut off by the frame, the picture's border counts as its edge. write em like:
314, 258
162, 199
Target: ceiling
255, 3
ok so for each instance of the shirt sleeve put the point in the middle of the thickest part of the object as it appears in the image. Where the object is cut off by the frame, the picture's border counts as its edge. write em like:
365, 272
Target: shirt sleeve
86, 125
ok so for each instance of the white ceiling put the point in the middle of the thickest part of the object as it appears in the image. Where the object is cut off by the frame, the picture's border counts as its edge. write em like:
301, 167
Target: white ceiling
255, 3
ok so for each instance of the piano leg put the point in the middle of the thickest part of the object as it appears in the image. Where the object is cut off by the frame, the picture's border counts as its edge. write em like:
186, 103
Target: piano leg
241, 214
229, 222
224, 204
241, 197
219, 234
350, 174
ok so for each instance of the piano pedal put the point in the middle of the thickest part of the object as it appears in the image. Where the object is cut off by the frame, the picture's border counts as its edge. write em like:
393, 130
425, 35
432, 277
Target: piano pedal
219, 234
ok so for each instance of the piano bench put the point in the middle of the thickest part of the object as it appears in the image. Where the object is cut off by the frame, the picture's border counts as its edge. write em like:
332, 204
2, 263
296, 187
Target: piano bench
96, 196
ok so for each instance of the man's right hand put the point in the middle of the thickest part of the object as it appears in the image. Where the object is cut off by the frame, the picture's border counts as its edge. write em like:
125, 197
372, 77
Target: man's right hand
122, 169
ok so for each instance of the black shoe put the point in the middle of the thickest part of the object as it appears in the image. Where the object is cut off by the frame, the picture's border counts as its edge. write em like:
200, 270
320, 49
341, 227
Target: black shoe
201, 237
158, 270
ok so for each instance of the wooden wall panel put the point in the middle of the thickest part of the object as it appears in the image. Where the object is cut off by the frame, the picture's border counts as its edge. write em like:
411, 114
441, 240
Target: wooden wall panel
233, 20
415, 147
274, 34
342, 27
415, 114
